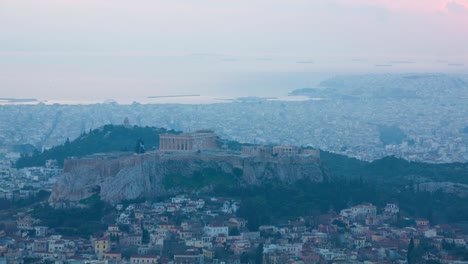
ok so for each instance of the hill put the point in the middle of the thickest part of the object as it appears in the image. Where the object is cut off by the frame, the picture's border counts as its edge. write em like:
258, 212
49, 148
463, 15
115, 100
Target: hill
388, 86
112, 138
265, 200
116, 177
392, 169
108, 138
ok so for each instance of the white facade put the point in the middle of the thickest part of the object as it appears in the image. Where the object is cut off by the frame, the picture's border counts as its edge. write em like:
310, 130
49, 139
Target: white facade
216, 230
361, 211
392, 209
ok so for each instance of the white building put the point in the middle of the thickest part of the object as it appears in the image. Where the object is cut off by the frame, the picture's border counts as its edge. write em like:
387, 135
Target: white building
216, 229
41, 231
292, 249
430, 233
361, 211
392, 209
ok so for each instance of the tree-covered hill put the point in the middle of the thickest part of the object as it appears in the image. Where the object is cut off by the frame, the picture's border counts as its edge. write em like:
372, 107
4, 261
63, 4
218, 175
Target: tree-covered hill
108, 138
392, 169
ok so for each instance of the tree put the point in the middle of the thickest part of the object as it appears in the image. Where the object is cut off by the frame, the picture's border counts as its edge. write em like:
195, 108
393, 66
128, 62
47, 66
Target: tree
247, 257
416, 251
409, 255
140, 147
234, 231
244, 258
31, 233
129, 251
145, 237
259, 254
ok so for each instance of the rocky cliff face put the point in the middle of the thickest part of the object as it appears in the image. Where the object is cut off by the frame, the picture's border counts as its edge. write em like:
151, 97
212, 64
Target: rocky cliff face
119, 177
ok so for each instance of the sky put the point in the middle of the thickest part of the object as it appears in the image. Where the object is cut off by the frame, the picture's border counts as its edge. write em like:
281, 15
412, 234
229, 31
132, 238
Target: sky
114, 49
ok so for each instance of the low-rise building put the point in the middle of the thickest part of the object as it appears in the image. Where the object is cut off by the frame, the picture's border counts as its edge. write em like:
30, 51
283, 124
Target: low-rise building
101, 247
144, 259
216, 229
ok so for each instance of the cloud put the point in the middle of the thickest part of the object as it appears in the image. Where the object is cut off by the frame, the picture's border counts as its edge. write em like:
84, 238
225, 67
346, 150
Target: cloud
456, 8
421, 7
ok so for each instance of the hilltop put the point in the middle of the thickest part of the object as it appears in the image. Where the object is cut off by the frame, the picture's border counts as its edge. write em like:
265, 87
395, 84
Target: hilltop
119, 138
108, 138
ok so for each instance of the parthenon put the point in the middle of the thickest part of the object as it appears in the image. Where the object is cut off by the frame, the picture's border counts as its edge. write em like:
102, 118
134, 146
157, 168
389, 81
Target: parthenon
195, 141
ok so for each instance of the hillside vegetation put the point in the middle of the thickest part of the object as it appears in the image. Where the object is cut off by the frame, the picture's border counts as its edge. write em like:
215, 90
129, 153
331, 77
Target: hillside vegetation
392, 169
108, 138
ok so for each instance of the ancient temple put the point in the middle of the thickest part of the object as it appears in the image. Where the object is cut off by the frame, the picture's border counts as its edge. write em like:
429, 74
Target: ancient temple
194, 141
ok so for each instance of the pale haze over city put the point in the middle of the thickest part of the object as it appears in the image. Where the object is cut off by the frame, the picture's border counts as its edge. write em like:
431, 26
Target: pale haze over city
99, 49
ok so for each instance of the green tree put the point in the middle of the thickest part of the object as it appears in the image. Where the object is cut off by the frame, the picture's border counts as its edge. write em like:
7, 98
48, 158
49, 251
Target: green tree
140, 146
409, 255
259, 254
145, 237
234, 231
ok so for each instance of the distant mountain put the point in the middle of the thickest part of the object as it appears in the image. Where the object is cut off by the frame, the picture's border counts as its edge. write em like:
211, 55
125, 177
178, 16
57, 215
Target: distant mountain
310, 92
388, 86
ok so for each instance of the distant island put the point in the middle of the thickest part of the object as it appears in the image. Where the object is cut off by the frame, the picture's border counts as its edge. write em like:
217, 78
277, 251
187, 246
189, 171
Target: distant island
17, 100
173, 96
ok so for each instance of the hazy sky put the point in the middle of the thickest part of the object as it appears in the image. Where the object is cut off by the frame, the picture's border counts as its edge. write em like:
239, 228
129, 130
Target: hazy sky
121, 48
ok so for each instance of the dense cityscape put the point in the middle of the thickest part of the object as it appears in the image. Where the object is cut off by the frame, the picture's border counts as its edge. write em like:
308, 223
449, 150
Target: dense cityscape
430, 128
184, 229
234, 132
195, 228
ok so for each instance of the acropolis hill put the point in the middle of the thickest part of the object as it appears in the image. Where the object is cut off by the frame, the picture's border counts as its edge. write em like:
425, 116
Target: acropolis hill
187, 156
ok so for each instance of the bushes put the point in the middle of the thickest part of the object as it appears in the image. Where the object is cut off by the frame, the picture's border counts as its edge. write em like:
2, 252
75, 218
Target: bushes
207, 177
262, 205
74, 221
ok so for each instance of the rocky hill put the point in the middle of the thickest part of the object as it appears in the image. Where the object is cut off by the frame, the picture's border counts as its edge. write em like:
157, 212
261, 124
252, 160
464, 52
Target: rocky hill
123, 176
